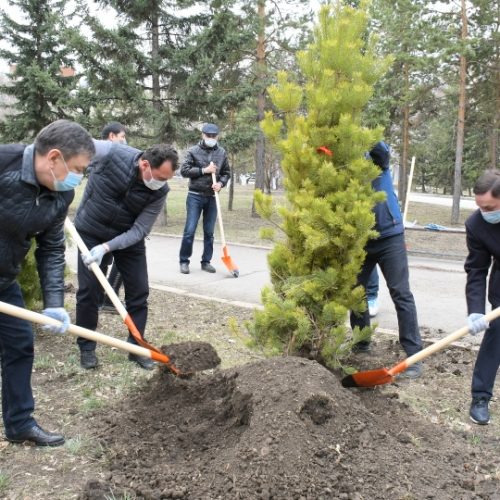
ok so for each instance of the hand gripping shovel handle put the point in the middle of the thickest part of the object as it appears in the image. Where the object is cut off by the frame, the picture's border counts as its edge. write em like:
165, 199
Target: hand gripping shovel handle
78, 331
114, 297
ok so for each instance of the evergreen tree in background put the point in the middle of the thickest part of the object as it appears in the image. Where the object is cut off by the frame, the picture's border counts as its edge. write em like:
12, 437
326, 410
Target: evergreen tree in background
328, 218
39, 57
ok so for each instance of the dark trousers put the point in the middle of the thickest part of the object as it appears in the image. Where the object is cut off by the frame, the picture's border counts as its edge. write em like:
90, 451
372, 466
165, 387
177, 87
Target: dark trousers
131, 263
195, 206
115, 280
487, 362
390, 254
372, 285
16, 354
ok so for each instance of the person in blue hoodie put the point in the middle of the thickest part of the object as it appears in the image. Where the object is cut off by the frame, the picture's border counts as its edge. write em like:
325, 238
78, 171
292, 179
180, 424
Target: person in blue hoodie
388, 250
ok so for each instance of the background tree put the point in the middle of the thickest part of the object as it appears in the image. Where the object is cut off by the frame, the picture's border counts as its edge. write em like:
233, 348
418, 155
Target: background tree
328, 219
40, 81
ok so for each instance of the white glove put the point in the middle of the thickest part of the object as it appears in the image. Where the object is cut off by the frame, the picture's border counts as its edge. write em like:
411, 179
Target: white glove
477, 323
95, 255
61, 315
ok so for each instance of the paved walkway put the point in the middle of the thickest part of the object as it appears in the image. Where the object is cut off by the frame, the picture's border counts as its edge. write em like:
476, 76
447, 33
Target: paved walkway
438, 285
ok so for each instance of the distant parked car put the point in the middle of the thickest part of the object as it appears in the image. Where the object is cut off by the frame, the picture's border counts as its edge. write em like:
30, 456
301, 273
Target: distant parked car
249, 178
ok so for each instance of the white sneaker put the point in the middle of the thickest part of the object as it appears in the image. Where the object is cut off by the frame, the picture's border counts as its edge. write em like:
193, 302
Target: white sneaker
373, 307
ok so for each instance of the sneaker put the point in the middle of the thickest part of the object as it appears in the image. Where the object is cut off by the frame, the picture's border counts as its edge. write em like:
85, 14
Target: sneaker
414, 371
144, 363
88, 360
479, 412
184, 268
362, 347
206, 266
373, 307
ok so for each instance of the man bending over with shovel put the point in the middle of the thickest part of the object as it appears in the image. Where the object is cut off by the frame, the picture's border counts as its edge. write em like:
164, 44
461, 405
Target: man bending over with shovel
483, 242
37, 185
122, 199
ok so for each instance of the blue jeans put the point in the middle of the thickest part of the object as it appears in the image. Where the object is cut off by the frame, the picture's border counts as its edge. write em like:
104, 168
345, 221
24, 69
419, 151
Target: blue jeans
372, 285
16, 353
488, 361
390, 254
195, 206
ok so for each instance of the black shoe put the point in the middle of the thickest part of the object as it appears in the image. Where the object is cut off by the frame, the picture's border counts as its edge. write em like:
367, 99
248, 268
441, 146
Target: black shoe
38, 436
479, 412
184, 268
88, 359
145, 363
206, 266
414, 371
108, 308
362, 347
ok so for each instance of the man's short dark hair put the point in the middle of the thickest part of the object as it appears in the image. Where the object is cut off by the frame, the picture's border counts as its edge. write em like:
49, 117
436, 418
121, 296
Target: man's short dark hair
66, 136
160, 153
488, 181
112, 128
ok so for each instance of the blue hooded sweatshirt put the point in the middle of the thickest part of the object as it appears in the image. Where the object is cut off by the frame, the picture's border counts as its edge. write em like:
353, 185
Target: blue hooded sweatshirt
388, 219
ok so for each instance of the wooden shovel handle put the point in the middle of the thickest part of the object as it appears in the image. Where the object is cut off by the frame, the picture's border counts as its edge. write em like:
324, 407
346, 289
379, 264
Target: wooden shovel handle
440, 344
127, 319
219, 212
79, 331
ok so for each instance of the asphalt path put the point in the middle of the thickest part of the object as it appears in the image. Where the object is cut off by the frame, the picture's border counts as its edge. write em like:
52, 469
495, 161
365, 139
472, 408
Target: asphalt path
438, 285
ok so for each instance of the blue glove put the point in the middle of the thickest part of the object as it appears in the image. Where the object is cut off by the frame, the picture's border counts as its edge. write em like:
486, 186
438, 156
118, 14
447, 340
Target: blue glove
477, 323
96, 254
61, 315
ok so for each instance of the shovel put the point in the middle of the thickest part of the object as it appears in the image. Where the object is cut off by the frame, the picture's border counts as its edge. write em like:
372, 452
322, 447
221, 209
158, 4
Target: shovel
127, 319
383, 376
229, 263
79, 331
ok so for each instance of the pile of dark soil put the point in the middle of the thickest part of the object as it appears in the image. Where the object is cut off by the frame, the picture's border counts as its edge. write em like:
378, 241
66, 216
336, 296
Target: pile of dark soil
285, 429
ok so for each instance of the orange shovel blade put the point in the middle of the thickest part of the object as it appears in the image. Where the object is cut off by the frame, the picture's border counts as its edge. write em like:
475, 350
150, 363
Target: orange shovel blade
229, 263
371, 378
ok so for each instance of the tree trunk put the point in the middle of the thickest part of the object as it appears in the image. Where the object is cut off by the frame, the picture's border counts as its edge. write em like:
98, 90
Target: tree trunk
496, 119
457, 184
403, 168
231, 184
155, 76
260, 144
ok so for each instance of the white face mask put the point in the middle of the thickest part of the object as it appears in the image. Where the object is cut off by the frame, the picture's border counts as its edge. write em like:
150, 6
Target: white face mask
210, 142
153, 184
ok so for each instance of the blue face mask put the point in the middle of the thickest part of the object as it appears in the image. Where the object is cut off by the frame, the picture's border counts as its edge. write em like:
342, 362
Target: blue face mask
491, 217
70, 182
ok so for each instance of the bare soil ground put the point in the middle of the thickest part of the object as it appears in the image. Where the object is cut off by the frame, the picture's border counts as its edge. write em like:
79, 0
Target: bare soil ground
258, 428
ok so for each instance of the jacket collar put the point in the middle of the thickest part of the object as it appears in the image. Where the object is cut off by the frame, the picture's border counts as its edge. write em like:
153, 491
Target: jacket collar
28, 167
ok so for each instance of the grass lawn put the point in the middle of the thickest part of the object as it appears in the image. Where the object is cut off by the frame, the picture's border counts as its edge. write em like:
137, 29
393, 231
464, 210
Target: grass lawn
241, 227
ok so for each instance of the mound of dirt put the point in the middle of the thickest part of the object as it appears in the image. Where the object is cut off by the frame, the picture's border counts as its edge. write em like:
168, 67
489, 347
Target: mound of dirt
284, 429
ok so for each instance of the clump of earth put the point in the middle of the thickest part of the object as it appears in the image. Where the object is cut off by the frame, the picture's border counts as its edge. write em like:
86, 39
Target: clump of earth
282, 428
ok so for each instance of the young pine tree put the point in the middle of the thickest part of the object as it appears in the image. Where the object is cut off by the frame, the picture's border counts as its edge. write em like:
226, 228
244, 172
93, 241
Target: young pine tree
327, 219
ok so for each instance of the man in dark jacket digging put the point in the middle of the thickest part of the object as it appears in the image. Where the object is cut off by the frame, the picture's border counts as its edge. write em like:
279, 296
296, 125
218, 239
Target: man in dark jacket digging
483, 242
36, 188
201, 161
388, 250
123, 197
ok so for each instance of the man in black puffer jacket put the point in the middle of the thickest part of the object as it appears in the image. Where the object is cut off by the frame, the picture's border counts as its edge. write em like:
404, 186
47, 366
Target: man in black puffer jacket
124, 195
36, 188
201, 161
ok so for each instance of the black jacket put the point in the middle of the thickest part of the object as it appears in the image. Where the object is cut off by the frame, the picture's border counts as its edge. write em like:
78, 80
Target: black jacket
200, 156
114, 195
483, 242
29, 210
